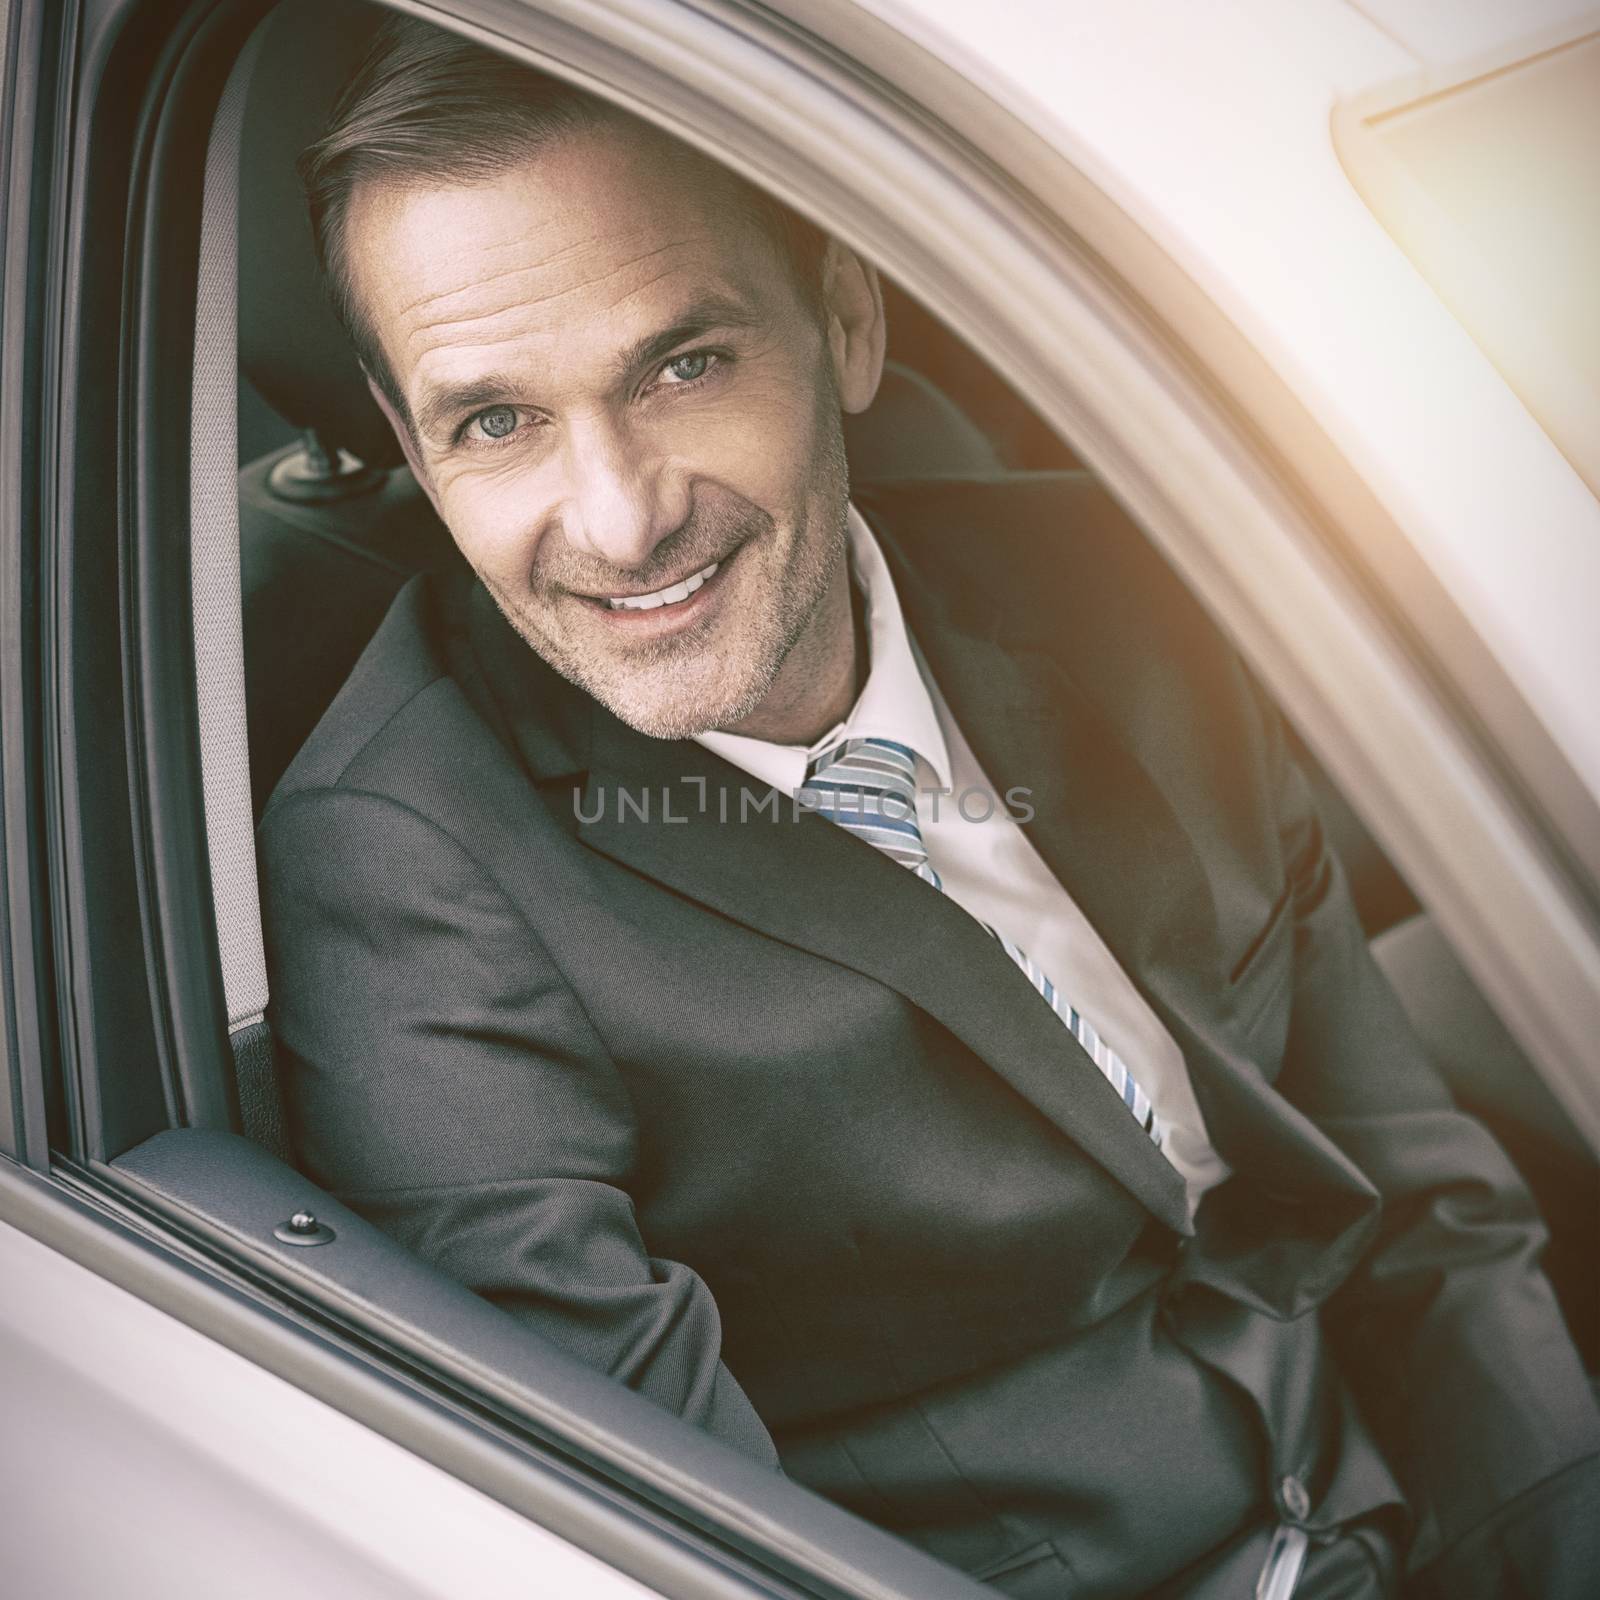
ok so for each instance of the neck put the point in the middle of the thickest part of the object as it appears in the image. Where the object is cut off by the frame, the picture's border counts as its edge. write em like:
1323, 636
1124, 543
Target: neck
821, 676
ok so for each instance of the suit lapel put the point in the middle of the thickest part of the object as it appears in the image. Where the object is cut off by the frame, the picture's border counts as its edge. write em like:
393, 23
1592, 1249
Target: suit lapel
1101, 824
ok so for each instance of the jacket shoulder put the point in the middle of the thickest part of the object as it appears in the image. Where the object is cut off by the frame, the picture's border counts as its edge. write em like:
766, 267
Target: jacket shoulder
1053, 561
1049, 564
1010, 538
402, 690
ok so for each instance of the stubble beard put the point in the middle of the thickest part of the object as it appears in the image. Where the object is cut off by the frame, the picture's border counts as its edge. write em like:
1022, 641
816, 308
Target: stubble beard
688, 684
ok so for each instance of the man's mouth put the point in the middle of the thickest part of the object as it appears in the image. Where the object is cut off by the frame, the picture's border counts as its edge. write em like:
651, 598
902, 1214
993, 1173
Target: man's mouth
673, 594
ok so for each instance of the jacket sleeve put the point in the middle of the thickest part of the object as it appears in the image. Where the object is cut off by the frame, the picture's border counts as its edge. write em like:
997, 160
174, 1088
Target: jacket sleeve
1448, 1331
442, 1079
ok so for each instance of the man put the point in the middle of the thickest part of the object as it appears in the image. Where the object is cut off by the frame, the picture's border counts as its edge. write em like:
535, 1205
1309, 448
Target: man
1046, 1174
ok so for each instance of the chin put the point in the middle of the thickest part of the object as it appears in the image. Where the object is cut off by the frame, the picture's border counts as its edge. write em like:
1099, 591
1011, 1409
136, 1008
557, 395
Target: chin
682, 705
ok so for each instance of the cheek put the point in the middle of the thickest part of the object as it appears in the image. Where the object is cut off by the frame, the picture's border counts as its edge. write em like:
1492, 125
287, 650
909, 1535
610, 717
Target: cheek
759, 440
497, 517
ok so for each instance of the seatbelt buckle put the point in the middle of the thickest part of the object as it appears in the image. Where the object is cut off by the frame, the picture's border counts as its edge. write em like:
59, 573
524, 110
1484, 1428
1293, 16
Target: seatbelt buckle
1286, 1559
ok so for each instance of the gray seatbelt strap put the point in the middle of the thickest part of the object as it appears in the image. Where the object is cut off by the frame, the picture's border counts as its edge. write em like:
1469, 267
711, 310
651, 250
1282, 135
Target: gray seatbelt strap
214, 566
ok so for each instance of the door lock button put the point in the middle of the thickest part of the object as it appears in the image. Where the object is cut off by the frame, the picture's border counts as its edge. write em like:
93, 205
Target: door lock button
303, 1229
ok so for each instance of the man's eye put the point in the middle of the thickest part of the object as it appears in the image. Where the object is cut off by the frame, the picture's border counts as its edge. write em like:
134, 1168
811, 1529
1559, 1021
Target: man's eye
687, 368
498, 422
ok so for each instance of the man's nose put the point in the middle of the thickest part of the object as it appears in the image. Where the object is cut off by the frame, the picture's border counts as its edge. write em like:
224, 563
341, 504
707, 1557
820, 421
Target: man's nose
622, 497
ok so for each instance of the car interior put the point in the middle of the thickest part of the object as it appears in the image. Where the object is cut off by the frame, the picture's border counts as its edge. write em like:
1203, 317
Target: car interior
331, 525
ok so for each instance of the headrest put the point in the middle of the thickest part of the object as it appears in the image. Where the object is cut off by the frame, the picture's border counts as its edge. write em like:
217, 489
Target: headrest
291, 346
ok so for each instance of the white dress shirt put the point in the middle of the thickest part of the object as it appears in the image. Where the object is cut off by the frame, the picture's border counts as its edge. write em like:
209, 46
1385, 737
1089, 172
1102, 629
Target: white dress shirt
987, 863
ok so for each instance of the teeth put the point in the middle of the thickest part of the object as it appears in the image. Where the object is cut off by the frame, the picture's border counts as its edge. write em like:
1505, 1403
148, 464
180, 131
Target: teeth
664, 597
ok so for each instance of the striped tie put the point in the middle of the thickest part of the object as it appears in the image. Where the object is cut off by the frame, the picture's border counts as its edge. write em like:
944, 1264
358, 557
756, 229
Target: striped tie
868, 787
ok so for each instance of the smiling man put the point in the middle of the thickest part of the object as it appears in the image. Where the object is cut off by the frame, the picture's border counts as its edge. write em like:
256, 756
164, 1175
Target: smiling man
610, 370
1054, 1183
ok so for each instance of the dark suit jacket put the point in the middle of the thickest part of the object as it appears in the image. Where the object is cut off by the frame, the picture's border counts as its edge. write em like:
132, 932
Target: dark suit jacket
735, 1108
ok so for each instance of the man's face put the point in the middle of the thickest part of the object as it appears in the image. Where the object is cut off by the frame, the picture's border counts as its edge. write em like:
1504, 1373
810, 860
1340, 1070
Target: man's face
619, 393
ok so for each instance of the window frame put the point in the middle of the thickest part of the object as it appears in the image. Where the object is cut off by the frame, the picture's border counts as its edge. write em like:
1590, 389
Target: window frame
31, 1107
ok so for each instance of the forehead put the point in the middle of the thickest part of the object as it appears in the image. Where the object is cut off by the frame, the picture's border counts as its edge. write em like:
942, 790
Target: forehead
588, 236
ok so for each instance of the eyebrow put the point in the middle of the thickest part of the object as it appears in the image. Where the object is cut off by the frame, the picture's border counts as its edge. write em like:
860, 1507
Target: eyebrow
439, 408
705, 316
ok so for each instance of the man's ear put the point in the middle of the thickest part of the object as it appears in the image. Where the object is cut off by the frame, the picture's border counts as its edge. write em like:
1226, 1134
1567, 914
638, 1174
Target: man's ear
852, 300
408, 444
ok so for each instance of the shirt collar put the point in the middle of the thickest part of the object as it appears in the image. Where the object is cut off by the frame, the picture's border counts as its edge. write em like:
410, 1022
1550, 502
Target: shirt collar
894, 703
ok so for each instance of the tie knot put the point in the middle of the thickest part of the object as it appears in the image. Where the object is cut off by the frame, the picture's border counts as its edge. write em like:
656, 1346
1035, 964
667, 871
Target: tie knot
870, 767
869, 787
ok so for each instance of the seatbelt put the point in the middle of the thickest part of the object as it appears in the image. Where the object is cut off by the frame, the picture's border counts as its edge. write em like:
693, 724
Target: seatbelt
218, 618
